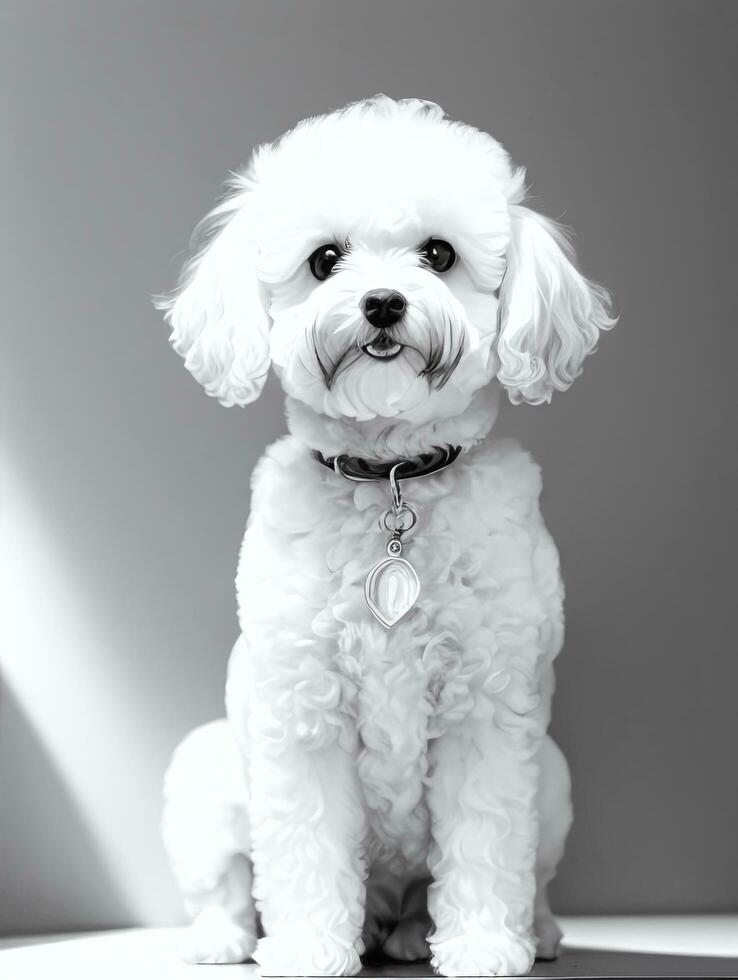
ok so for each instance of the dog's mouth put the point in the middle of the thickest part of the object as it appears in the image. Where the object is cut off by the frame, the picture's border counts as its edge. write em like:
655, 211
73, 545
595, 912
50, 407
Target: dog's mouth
383, 348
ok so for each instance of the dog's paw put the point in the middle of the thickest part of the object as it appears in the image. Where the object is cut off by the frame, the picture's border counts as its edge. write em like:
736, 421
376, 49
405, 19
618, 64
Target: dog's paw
482, 956
409, 941
548, 935
290, 957
214, 937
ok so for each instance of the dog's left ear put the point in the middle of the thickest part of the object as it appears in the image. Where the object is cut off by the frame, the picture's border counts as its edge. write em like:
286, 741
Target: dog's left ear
219, 314
550, 316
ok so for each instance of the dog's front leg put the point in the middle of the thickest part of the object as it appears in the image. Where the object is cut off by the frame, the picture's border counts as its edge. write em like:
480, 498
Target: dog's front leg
308, 836
482, 799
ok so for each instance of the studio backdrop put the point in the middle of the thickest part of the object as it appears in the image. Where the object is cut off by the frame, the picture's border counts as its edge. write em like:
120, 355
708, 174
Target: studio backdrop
125, 489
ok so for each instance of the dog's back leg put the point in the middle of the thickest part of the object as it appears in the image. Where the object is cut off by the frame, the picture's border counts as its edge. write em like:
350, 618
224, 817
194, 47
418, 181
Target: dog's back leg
554, 816
409, 939
206, 835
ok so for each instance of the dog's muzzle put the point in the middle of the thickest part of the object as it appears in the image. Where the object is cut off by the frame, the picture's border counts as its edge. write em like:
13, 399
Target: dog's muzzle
383, 308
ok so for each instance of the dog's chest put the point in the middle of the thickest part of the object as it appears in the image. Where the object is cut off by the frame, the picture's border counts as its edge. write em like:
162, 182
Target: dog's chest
403, 685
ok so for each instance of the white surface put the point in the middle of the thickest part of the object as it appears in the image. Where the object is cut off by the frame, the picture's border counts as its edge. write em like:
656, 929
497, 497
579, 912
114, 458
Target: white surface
126, 954
150, 954
685, 935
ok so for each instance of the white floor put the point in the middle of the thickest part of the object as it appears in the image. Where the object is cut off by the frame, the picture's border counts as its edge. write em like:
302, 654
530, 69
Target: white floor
708, 945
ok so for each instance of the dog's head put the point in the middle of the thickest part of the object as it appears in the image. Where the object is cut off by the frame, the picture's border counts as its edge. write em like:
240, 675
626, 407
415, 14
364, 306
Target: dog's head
381, 259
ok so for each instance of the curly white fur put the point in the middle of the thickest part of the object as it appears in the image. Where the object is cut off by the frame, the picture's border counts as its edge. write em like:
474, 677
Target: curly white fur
390, 789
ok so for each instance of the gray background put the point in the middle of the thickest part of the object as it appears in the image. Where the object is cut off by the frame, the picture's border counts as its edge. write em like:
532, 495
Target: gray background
126, 489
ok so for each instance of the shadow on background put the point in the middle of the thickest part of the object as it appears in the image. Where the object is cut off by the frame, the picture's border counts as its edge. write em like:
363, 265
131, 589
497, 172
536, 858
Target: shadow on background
45, 838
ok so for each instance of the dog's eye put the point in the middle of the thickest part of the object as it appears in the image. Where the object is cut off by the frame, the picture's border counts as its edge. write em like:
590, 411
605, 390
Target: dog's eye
439, 254
323, 260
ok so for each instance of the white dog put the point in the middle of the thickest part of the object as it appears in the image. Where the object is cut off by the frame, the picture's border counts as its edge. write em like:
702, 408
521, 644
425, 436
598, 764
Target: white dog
384, 779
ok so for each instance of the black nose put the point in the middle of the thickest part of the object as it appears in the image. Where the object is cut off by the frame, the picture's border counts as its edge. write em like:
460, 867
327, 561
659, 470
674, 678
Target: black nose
383, 307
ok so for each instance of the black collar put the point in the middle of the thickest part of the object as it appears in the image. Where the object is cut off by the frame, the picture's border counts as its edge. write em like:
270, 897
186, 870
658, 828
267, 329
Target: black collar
365, 470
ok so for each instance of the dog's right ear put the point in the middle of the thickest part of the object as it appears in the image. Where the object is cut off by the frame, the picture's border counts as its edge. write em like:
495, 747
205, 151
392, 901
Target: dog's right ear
219, 312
